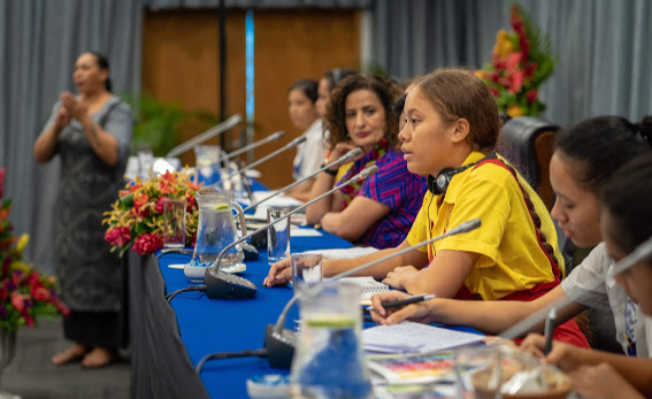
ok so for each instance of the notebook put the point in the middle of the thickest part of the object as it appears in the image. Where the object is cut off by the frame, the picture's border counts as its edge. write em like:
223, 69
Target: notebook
369, 287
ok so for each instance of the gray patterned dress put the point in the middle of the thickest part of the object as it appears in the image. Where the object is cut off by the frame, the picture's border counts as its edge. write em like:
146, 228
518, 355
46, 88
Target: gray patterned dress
91, 277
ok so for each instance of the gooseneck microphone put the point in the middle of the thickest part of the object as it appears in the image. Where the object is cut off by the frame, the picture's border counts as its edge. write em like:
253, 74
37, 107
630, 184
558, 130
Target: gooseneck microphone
280, 342
221, 285
291, 144
210, 133
642, 253
270, 138
346, 158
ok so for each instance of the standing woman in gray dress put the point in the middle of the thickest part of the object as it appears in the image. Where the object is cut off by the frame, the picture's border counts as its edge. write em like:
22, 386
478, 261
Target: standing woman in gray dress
91, 133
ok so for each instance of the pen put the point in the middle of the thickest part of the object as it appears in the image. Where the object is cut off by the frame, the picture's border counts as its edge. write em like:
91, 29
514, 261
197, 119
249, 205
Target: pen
406, 301
549, 329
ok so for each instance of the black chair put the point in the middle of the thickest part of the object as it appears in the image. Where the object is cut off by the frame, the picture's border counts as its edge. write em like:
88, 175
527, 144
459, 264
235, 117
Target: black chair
528, 143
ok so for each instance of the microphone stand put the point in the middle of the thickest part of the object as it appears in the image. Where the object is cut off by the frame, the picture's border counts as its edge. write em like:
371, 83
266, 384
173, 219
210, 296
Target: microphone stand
342, 160
210, 133
361, 176
291, 144
271, 137
280, 342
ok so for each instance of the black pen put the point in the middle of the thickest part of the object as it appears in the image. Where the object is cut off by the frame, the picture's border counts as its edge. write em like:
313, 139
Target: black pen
406, 301
549, 330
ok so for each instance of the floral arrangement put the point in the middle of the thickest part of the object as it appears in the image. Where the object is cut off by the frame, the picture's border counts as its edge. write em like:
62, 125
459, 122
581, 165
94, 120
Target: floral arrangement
520, 62
25, 294
136, 218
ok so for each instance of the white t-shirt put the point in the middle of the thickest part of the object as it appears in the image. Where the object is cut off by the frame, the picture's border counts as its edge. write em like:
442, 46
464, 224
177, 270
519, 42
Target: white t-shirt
310, 154
630, 322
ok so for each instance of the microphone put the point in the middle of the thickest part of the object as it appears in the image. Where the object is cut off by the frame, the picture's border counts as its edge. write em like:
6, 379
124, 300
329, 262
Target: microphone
642, 253
221, 285
291, 144
271, 137
342, 160
210, 133
280, 341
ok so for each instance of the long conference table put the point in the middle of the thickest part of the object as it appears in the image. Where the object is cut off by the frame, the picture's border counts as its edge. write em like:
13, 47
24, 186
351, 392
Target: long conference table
168, 341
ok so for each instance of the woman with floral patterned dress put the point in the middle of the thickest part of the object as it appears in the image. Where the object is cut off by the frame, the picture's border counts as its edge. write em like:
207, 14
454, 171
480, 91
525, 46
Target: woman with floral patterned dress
91, 134
380, 210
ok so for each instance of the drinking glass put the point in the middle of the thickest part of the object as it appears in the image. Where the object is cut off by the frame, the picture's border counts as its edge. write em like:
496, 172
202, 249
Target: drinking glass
174, 222
278, 235
306, 270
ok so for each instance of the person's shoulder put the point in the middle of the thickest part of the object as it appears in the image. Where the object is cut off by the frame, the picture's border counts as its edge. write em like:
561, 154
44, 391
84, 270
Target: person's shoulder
597, 260
495, 171
117, 106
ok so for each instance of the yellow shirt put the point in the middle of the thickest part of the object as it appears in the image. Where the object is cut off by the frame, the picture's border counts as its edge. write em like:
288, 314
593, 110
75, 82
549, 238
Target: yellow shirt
342, 171
512, 258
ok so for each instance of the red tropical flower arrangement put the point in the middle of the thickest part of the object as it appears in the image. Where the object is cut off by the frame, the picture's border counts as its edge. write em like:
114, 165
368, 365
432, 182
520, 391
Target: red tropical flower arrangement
25, 293
136, 219
520, 62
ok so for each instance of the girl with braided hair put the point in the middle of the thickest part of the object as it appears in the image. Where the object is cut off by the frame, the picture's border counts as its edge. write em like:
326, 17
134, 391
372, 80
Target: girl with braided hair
586, 157
451, 132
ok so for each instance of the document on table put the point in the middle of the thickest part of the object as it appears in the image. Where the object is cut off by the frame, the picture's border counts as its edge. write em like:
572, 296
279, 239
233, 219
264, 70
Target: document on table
295, 232
344, 253
408, 337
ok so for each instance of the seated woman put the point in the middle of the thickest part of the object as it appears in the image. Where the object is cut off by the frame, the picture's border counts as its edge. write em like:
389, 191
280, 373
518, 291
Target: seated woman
625, 223
303, 113
451, 132
380, 210
327, 84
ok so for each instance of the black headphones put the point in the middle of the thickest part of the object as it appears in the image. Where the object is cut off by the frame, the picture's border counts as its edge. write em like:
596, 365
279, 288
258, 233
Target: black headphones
439, 185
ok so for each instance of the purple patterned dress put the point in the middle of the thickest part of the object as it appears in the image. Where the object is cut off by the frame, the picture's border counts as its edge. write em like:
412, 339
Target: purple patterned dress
394, 186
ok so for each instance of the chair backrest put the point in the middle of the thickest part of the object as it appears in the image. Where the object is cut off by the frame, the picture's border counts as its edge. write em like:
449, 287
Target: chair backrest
528, 143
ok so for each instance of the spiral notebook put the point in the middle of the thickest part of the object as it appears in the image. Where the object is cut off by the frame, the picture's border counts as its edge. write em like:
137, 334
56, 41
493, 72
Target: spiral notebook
369, 287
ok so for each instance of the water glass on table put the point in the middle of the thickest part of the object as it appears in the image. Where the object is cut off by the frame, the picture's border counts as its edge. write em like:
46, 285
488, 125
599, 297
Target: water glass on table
278, 235
174, 222
306, 270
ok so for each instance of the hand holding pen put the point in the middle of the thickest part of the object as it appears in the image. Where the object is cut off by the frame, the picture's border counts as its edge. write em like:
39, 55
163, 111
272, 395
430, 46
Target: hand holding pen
392, 307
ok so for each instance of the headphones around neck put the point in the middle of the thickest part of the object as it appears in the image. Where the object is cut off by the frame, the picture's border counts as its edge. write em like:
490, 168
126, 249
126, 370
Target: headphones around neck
438, 185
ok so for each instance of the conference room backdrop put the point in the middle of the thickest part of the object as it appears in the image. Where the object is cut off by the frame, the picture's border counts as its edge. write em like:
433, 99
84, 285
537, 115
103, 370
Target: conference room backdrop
604, 57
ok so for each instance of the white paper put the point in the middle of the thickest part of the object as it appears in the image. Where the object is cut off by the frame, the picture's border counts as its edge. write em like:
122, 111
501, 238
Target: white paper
408, 337
344, 253
368, 284
305, 233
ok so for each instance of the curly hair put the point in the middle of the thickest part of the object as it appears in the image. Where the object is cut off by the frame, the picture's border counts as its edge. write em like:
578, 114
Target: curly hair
387, 92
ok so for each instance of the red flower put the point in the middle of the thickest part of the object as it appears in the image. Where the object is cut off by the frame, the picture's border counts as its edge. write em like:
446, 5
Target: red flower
517, 81
118, 236
29, 321
140, 202
159, 206
63, 309
4, 292
532, 96
530, 70
17, 301
148, 243
2, 180
494, 91
190, 201
40, 293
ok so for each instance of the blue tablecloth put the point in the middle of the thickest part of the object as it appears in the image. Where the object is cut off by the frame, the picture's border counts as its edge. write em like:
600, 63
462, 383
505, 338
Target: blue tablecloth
207, 326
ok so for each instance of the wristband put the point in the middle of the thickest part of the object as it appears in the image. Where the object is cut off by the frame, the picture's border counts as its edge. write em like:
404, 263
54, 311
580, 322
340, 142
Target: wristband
328, 171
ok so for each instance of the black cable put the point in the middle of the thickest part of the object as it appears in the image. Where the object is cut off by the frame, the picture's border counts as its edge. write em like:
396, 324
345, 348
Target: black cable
200, 287
230, 355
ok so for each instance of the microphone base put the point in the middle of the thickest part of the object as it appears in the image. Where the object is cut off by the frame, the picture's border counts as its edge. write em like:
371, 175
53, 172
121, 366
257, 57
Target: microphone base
220, 285
280, 347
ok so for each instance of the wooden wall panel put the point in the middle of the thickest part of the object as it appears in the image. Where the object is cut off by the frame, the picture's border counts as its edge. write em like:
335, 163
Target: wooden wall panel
180, 63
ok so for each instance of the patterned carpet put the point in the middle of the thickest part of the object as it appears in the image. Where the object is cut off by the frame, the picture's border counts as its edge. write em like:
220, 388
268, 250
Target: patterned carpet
32, 376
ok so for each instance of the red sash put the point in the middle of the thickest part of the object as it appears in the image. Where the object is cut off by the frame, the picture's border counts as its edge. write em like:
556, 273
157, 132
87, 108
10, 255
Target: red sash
569, 331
